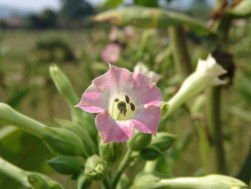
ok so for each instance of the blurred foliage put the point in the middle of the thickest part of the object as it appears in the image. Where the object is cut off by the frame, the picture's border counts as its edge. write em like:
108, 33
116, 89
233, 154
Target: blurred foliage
53, 50
73, 10
28, 88
47, 19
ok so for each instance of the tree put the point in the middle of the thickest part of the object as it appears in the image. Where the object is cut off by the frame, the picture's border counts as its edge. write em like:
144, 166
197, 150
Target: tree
48, 19
75, 9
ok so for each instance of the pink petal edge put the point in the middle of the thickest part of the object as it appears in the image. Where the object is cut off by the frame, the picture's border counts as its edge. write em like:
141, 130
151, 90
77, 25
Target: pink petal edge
111, 130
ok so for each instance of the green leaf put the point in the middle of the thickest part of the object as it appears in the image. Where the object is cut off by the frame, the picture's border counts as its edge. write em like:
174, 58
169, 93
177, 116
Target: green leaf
146, 3
112, 4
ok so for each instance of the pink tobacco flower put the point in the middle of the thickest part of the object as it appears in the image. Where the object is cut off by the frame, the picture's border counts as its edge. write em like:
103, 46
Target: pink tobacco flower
110, 54
124, 101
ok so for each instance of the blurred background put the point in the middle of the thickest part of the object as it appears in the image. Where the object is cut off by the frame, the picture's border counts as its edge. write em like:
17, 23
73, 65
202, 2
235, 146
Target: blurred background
35, 34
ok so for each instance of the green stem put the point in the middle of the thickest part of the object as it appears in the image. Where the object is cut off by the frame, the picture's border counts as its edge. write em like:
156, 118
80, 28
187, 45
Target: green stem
214, 105
11, 117
245, 172
106, 184
124, 163
181, 56
14, 172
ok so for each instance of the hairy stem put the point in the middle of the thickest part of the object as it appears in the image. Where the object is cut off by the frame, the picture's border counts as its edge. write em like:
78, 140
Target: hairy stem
181, 56
214, 105
124, 163
13, 172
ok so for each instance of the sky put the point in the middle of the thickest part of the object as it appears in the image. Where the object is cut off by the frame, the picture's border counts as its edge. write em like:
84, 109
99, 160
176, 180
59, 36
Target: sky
39, 5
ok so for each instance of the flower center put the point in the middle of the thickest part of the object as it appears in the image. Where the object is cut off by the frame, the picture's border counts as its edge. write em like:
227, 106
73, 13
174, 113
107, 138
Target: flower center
121, 108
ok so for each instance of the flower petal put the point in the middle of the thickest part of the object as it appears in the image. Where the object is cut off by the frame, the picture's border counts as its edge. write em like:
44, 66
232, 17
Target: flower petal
93, 101
97, 96
147, 120
145, 91
116, 79
111, 130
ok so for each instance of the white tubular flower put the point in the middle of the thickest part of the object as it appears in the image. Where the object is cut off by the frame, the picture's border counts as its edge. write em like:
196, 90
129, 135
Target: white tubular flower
206, 74
143, 69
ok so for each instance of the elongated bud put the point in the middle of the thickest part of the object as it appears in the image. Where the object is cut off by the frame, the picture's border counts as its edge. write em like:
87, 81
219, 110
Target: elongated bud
139, 141
62, 141
66, 165
37, 181
206, 182
95, 167
163, 141
9, 116
112, 151
150, 18
63, 84
89, 145
206, 74
83, 181
150, 153
41, 181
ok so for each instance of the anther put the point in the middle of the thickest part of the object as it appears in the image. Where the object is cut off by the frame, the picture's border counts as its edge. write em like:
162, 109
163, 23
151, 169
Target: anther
127, 99
132, 106
116, 100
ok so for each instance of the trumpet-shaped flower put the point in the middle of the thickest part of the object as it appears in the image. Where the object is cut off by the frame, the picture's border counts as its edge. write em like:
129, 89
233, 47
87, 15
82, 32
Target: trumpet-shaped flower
206, 74
124, 101
142, 68
111, 52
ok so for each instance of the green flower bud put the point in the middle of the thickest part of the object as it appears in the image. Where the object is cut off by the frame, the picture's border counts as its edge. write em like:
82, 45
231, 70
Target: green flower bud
206, 182
63, 84
112, 151
150, 153
163, 141
37, 181
83, 181
95, 167
63, 142
41, 181
66, 165
89, 145
139, 141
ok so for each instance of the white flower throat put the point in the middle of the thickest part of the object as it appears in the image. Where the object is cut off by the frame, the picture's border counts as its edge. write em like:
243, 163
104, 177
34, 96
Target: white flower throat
121, 108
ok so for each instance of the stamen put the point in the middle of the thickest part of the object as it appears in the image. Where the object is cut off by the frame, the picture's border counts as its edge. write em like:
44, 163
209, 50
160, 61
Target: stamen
127, 99
116, 100
132, 106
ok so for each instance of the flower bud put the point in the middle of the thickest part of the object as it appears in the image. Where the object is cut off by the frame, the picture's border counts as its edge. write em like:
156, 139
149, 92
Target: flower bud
148, 181
83, 181
95, 167
89, 145
139, 141
112, 151
66, 165
41, 181
63, 142
206, 74
63, 84
37, 181
150, 153
163, 141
